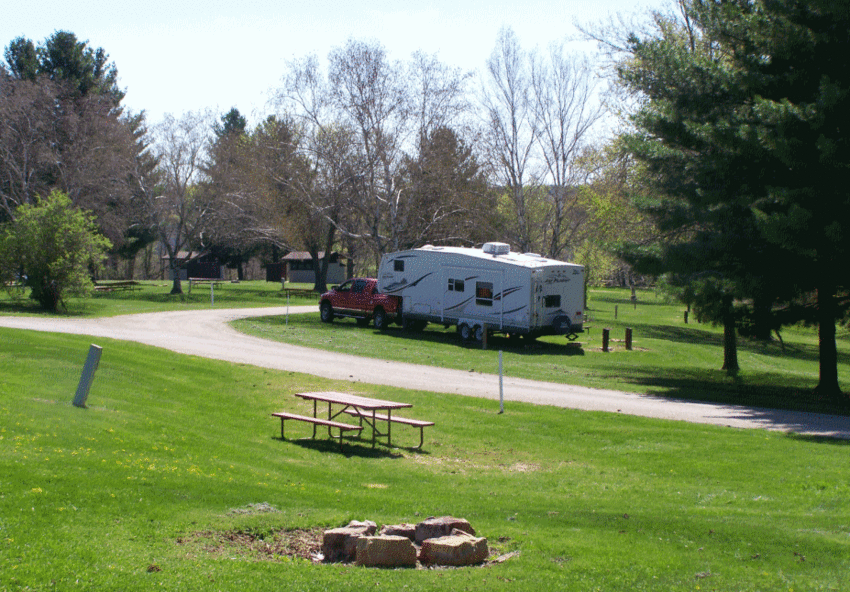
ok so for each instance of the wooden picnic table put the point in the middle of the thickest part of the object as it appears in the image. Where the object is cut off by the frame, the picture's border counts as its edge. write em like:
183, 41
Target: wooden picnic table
302, 292
110, 285
365, 408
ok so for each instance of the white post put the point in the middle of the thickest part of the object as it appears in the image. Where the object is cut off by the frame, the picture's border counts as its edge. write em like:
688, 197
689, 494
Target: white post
501, 390
87, 376
287, 310
212, 295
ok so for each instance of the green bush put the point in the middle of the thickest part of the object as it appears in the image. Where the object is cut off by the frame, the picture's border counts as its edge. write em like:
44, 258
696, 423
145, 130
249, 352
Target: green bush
53, 248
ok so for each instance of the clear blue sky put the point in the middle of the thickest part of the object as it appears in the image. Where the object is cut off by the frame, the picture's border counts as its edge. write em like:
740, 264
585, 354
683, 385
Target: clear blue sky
180, 55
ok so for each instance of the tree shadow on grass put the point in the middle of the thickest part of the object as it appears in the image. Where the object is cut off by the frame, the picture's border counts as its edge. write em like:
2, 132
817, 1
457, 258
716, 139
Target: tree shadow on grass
19, 307
793, 350
764, 391
820, 439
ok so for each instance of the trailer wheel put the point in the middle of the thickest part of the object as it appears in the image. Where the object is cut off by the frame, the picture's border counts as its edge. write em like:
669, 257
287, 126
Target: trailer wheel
380, 319
479, 333
326, 312
465, 332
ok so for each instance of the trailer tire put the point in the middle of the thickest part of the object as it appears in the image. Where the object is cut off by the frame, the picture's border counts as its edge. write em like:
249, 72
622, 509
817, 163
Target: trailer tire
380, 319
479, 333
465, 332
326, 312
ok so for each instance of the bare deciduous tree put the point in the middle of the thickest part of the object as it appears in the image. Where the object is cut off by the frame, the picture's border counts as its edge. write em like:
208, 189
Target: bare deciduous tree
181, 211
27, 141
564, 113
510, 133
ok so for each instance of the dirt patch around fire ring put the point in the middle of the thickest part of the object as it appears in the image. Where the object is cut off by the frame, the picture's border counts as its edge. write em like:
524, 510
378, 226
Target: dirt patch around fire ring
290, 544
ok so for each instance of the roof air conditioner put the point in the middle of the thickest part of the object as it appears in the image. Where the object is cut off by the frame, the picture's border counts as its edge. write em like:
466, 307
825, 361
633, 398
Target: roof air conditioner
496, 248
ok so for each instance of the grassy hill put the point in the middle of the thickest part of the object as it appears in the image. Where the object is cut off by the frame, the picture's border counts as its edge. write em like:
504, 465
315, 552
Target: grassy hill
175, 478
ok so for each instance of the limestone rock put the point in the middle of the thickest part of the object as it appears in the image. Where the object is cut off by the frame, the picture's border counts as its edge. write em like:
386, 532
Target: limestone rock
439, 527
457, 549
340, 544
405, 530
385, 551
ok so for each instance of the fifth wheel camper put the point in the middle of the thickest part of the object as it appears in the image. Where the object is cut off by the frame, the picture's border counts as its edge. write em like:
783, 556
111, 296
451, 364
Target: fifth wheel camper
488, 289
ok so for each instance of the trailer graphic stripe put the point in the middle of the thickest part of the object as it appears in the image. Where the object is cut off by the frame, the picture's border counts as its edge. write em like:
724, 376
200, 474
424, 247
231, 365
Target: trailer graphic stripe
391, 289
460, 305
507, 292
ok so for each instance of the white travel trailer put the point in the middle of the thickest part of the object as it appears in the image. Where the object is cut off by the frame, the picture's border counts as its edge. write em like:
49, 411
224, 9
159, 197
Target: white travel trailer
485, 289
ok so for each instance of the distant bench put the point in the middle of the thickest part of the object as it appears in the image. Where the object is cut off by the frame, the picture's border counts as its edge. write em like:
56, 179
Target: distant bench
417, 423
342, 427
116, 285
303, 292
212, 281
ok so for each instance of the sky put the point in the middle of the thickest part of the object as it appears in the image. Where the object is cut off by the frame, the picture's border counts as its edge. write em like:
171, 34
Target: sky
175, 56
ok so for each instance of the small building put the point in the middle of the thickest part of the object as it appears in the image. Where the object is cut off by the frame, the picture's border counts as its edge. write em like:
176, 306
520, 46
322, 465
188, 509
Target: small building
300, 270
194, 264
276, 272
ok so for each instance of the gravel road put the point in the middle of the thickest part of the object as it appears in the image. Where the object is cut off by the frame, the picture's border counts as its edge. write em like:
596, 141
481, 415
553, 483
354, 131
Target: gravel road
206, 333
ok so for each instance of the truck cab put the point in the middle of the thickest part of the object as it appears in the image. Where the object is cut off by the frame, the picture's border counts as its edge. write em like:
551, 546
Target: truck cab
360, 299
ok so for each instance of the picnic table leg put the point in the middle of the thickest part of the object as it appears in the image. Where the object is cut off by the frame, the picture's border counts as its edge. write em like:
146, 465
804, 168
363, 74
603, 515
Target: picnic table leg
389, 423
374, 428
314, 416
330, 418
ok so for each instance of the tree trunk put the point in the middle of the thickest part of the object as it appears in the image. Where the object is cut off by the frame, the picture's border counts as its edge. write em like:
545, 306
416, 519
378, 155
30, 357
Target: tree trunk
828, 354
176, 287
730, 338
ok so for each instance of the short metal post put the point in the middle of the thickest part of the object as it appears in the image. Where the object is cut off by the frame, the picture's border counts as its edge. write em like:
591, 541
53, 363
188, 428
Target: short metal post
92, 362
629, 338
605, 338
501, 389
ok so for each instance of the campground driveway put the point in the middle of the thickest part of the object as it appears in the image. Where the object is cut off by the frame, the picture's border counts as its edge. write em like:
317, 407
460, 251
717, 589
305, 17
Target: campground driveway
206, 333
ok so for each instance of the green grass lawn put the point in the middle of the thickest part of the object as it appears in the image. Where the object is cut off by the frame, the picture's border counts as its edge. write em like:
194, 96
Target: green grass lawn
669, 358
159, 484
154, 296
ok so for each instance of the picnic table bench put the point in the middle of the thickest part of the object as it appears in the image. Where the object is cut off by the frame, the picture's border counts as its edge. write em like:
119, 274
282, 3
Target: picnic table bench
110, 286
417, 423
342, 427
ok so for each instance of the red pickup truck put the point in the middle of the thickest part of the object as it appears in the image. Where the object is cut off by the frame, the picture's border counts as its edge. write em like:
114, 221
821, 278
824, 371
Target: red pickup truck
359, 298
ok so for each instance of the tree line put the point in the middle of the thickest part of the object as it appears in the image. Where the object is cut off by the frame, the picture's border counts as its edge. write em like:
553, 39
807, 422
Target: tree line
363, 156
723, 178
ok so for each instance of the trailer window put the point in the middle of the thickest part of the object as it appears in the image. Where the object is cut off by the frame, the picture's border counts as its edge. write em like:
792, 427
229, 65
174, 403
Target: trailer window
398, 265
553, 301
483, 293
456, 285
